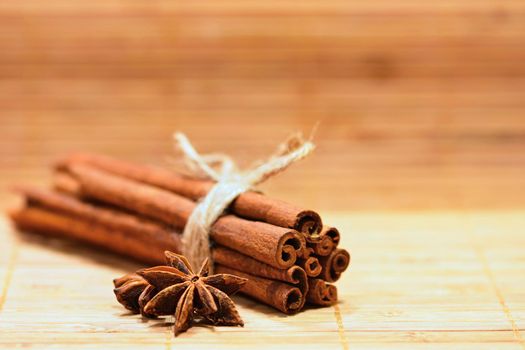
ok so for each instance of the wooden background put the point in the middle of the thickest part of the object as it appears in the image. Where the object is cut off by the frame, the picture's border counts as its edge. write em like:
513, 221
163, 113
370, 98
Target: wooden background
421, 107
421, 104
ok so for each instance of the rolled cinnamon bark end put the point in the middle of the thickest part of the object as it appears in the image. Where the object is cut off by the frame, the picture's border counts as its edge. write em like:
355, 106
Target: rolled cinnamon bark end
334, 264
250, 205
281, 296
311, 266
307, 252
50, 223
321, 293
230, 258
333, 233
257, 206
323, 247
309, 223
272, 245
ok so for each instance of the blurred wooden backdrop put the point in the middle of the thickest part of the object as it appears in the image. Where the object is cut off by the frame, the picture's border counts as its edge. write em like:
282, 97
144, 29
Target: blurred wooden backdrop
421, 103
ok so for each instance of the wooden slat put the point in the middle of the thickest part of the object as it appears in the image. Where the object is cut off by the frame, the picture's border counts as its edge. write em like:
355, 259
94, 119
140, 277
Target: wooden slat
274, 6
328, 27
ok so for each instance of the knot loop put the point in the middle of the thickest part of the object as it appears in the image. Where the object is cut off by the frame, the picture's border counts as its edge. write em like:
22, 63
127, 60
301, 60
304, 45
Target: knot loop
230, 182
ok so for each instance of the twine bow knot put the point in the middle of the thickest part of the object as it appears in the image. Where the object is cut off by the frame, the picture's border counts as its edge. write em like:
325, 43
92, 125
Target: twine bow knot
230, 182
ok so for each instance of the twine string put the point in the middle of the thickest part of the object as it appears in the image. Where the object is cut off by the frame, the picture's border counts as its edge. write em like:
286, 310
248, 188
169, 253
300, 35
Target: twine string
230, 182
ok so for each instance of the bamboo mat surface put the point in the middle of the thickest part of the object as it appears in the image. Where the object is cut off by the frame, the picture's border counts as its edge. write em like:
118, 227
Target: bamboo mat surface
417, 280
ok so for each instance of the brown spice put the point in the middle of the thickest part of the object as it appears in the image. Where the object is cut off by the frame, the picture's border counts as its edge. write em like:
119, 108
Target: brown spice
241, 262
143, 199
133, 292
232, 259
186, 294
97, 194
281, 296
63, 182
56, 224
321, 293
331, 232
128, 289
273, 245
144, 230
50, 213
322, 246
251, 205
334, 264
326, 242
311, 266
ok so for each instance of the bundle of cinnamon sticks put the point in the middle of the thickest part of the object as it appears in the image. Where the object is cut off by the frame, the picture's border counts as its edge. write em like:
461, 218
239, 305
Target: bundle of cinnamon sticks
138, 211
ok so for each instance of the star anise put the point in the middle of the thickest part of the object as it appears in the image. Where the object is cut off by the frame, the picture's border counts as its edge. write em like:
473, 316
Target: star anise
176, 290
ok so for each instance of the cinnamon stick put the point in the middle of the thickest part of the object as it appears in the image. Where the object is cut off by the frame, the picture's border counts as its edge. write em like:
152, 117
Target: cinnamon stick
241, 262
232, 259
321, 293
55, 224
147, 200
250, 205
280, 295
323, 246
334, 264
142, 229
273, 245
326, 242
332, 232
65, 183
311, 265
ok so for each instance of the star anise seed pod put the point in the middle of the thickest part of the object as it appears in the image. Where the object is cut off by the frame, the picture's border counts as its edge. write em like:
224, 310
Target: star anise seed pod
133, 292
128, 289
187, 295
